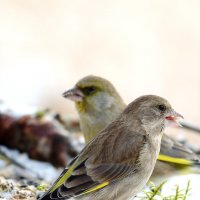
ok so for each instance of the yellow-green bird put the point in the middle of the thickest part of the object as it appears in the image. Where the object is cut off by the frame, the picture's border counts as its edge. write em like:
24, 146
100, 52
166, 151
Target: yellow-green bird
118, 162
98, 103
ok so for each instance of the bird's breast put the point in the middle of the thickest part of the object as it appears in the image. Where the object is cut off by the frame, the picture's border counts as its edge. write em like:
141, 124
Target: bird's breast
149, 154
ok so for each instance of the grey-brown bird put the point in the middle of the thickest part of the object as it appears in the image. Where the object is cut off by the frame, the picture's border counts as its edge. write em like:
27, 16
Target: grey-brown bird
98, 103
118, 162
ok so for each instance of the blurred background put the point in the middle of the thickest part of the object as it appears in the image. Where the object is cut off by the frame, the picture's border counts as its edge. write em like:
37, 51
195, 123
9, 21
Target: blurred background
142, 47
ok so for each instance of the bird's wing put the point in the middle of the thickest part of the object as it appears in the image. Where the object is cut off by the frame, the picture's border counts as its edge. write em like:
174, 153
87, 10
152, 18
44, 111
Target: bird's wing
89, 173
174, 152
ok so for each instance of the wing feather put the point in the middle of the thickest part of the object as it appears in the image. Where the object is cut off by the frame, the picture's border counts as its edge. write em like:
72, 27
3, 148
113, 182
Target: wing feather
92, 170
174, 152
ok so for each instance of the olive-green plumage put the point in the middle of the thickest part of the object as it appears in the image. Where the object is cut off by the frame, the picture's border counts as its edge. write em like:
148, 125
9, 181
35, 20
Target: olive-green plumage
113, 166
98, 103
99, 96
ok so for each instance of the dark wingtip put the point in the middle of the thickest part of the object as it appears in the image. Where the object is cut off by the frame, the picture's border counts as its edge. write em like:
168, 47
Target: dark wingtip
196, 162
44, 197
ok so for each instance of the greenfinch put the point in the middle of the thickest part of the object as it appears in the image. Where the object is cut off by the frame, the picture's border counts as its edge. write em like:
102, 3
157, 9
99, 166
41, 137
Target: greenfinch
118, 161
98, 103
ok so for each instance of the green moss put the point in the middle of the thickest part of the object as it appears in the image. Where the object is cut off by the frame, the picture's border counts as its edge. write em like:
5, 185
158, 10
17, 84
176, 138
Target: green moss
42, 187
155, 193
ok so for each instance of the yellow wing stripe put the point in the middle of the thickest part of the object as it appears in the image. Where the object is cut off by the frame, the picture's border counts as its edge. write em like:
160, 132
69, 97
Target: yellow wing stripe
96, 188
63, 178
181, 161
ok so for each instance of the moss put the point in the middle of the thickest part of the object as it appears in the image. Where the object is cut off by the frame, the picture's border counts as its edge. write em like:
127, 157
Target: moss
155, 192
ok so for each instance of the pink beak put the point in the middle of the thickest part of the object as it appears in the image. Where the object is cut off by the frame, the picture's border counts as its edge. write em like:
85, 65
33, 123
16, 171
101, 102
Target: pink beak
74, 94
176, 117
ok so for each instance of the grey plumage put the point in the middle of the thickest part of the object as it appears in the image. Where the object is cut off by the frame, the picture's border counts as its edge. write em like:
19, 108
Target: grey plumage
100, 104
113, 165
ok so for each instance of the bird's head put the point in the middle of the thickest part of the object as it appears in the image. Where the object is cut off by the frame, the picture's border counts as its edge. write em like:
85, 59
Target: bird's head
92, 94
153, 112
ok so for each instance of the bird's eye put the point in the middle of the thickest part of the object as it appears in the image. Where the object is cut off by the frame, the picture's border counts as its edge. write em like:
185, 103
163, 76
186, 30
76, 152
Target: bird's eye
162, 107
89, 90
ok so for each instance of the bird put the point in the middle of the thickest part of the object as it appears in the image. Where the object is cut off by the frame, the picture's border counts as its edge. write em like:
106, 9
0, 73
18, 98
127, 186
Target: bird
113, 165
98, 103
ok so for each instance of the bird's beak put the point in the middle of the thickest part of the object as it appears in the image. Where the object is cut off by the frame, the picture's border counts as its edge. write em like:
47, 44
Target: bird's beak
74, 94
174, 117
